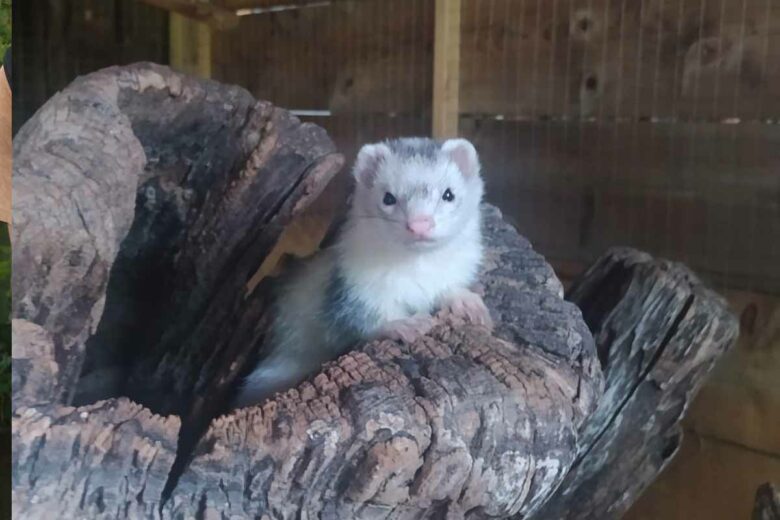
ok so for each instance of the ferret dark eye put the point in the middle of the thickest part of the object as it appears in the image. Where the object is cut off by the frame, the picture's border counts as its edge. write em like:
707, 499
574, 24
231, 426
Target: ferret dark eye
448, 195
389, 200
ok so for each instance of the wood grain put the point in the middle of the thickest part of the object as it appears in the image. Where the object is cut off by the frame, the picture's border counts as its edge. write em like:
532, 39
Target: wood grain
658, 332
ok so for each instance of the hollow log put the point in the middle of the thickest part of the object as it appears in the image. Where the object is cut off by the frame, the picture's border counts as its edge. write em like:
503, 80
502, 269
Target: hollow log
658, 332
144, 201
767, 505
461, 423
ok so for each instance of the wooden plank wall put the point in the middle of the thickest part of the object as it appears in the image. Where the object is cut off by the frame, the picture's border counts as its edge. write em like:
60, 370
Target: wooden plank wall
365, 63
603, 122
57, 40
365, 56
705, 194
682, 59
600, 122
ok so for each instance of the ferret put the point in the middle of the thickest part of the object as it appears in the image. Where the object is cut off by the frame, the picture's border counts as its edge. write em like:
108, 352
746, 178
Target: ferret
411, 245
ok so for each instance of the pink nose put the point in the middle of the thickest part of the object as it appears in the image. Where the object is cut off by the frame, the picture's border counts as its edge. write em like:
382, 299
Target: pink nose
420, 226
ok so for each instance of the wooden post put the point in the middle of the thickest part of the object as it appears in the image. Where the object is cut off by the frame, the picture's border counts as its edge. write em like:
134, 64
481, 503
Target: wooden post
190, 46
216, 16
446, 69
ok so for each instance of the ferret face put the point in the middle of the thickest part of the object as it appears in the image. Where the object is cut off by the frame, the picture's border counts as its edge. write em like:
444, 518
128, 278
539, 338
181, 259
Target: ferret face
417, 192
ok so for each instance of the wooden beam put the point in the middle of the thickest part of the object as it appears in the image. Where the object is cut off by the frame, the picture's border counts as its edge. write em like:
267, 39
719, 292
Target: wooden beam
190, 46
446, 68
215, 16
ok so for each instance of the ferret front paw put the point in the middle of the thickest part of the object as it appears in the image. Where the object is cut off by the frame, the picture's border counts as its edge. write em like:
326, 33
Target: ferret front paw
408, 330
468, 306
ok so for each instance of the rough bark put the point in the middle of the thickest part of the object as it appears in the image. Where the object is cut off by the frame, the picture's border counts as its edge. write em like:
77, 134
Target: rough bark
767, 506
658, 332
106, 460
144, 200
176, 187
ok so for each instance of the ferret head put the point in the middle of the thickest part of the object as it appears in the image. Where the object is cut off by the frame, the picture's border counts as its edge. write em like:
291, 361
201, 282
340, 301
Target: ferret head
418, 192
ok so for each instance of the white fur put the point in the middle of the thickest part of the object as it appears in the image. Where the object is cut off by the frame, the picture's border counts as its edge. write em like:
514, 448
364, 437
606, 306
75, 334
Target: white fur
386, 269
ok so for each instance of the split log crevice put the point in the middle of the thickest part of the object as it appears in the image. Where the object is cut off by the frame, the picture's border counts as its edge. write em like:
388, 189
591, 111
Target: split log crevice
144, 202
659, 331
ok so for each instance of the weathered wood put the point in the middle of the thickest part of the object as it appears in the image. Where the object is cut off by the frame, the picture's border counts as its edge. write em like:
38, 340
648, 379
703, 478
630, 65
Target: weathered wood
767, 505
658, 332
106, 460
686, 59
699, 193
609, 59
123, 184
460, 421
367, 57
177, 164
147, 199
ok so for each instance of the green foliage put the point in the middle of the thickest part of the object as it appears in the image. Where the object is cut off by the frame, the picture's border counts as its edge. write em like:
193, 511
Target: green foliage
5, 26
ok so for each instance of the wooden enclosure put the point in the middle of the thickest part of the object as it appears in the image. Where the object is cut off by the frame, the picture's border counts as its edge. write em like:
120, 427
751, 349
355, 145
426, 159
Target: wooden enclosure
647, 123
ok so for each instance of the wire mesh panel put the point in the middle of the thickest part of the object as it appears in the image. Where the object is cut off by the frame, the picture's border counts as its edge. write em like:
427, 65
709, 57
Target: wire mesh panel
649, 123
361, 69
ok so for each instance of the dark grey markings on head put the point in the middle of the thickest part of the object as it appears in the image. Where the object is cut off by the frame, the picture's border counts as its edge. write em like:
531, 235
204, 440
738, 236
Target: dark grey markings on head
347, 318
408, 147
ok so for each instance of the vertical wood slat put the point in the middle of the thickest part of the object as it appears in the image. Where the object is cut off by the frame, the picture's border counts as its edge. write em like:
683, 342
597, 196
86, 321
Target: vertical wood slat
190, 46
446, 68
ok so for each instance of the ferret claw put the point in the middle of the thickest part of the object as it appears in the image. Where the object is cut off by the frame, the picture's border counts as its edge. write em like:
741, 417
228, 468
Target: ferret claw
408, 330
469, 306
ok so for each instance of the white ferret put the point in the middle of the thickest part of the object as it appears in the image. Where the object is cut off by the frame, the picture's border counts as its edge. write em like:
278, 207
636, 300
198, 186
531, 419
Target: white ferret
411, 245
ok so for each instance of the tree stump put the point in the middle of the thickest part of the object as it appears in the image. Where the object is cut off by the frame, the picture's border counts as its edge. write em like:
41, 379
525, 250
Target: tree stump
658, 332
144, 200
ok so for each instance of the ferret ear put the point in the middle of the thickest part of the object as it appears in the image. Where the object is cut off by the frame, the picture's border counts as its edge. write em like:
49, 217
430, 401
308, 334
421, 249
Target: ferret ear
463, 154
368, 160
